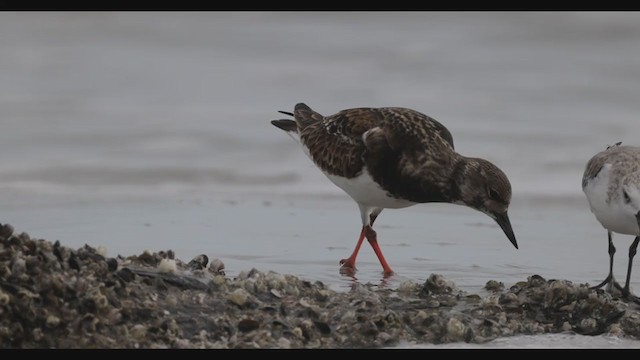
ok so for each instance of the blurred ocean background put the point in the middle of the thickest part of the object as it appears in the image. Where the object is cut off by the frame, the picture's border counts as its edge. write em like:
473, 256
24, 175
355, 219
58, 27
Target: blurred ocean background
141, 130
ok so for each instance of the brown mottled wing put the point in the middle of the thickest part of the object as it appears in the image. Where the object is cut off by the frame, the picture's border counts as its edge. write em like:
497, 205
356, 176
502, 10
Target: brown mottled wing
594, 165
410, 129
410, 154
335, 142
615, 155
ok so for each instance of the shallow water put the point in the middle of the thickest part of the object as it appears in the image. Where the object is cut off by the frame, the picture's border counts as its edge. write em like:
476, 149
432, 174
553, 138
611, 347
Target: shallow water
151, 131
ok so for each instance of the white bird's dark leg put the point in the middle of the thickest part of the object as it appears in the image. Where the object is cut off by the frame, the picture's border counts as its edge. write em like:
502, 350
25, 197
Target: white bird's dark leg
632, 252
610, 280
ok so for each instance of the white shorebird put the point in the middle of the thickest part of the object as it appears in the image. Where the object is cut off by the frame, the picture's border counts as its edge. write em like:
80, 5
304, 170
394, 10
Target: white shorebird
393, 158
611, 182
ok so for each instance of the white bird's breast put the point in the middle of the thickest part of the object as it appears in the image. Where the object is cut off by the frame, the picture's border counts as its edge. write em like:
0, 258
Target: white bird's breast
613, 215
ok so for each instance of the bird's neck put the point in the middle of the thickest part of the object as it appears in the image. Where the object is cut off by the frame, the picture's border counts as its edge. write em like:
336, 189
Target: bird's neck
457, 177
436, 182
463, 182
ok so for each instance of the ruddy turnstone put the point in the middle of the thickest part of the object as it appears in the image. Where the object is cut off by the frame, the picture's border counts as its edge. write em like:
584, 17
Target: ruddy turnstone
395, 157
611, 182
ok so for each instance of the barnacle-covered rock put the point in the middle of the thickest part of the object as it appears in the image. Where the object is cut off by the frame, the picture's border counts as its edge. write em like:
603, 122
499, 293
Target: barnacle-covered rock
199, 262
437, 284
493, 285
53, 296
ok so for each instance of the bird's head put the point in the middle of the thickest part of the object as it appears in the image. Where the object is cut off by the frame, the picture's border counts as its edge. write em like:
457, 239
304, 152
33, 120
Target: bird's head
630, 195
486, 188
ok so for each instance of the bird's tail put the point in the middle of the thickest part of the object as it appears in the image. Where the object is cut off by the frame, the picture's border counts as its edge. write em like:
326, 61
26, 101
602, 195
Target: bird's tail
286, 125
303, 116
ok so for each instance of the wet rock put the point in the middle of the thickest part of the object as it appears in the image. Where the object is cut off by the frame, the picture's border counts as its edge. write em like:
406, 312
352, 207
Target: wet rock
437, 284
493, 285
535, 281
169, 254
239, 297
199, 262
246, 325
74, 262
284, 343
147, 258
112, 264
432, 303
217, 267
5, 299
455, 329
52, 321
323, 327
6, 231
125, 275
588, 326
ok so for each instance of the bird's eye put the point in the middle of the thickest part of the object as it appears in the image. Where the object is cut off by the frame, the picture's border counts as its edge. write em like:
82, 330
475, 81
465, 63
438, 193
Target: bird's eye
494, 194
627, 199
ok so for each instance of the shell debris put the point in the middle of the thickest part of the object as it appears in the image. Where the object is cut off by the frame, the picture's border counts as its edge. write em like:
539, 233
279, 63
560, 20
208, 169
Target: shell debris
167, 266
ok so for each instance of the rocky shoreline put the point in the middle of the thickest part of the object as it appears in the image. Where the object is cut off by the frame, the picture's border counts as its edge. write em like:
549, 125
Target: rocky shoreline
55, 297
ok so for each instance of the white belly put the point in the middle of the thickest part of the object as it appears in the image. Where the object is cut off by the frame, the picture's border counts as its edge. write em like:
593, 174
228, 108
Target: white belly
367, 192
619, 222
363, 189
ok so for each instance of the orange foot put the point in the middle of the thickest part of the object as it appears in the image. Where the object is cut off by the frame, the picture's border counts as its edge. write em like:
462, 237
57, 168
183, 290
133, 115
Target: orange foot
347, 267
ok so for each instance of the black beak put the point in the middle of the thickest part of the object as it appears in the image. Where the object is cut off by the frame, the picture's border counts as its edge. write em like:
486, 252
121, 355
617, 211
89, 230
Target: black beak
505, 224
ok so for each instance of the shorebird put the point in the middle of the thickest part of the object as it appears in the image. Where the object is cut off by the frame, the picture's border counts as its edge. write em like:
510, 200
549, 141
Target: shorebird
395, 157
611, 182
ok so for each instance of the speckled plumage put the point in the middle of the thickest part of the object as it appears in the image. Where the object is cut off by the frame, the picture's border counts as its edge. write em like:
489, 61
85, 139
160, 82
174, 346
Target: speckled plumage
402, 153
625, 167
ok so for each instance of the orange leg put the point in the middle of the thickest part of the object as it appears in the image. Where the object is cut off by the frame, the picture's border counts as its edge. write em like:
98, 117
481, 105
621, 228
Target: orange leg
373, 241
350, 263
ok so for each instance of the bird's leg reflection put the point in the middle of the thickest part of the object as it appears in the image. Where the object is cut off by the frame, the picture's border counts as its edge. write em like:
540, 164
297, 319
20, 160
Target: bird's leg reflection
354, 282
